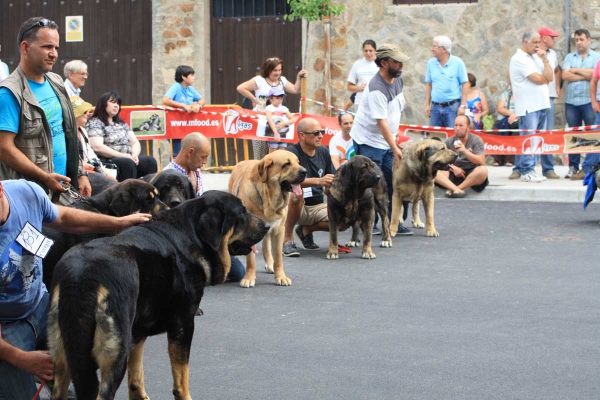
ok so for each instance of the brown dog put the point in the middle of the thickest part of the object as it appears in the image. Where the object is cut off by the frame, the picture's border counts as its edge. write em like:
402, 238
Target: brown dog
414, 180
264, 188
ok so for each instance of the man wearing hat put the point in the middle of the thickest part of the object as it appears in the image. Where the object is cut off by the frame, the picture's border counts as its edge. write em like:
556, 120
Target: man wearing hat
547, 36
445, 97
378, 118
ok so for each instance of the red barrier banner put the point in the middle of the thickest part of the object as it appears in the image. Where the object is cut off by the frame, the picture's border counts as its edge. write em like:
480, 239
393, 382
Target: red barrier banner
228, 121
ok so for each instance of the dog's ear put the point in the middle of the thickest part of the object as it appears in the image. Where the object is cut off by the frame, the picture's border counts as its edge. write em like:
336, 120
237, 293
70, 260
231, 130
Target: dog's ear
213, 225
263, 168
425, 153
122, 204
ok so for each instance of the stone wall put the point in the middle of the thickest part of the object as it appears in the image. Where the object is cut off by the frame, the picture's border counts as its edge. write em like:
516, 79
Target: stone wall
181, 35
485, 35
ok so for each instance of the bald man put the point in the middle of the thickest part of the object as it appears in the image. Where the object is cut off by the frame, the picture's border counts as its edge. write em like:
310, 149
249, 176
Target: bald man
195, 149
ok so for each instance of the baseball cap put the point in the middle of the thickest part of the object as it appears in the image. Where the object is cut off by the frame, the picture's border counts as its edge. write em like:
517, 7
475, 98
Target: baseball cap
80, 106
276, 91
545, 31
391, 51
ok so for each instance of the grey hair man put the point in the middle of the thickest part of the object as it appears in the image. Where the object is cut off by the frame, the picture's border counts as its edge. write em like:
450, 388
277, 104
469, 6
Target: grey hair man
76, 73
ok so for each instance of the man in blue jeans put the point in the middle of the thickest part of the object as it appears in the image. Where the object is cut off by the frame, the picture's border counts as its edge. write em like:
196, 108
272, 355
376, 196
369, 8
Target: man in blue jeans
378, 118
529, 81
24, 299
446, 84
577, 72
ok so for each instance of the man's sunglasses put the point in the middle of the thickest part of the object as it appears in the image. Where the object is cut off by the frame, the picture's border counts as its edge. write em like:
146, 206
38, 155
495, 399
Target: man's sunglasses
317, 132
40, 24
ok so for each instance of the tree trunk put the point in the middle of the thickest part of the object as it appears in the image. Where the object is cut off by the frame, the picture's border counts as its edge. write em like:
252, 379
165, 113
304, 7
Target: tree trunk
327, 46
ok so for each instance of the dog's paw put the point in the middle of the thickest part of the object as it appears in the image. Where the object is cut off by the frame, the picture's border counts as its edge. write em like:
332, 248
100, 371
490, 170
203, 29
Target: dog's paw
433, 233
199, 312
418, 224
386, 243
247, 283
269, 269
283, 281
332, 256
368, 255
352, 243
393, 231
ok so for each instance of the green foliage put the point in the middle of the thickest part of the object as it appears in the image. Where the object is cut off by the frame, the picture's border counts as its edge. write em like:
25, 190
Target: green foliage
312, 10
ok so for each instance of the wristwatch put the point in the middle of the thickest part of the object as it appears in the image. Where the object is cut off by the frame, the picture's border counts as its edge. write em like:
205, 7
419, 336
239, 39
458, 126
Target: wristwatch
82, 173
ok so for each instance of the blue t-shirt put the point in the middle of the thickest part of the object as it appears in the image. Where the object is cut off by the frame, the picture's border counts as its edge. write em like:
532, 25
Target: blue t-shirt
186, 96
21, 286
446, 82
48, 100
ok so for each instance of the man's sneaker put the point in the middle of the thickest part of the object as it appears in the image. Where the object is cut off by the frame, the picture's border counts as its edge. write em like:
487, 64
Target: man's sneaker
532, 177
306, 241
376, 231
552, 175
514, 175
290, 250
539, 176
572, 171
578, 176
403, 231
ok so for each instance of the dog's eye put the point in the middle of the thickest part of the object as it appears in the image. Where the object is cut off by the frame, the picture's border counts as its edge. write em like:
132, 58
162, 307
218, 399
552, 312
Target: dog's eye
287, 164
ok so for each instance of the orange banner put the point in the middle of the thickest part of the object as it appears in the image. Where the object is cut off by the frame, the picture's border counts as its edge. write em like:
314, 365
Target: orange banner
233, 122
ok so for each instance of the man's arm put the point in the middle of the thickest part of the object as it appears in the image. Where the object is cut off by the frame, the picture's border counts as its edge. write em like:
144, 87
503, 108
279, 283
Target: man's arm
428, 99
38, 363
593, 90
558, 81
166, 101
72, 220
463, 99
14, 158
384, 128
324, 181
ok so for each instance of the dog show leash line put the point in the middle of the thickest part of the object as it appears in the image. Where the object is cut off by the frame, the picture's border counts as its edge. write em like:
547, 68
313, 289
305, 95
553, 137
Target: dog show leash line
237, 190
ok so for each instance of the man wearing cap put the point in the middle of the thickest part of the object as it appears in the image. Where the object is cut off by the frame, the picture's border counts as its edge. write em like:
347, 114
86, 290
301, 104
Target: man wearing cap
446, 84
547, 36
38, 138
577, 72
378, 118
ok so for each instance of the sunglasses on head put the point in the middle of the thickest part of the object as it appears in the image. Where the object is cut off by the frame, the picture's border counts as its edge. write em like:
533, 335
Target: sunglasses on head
273, 59
317, 132
40, 24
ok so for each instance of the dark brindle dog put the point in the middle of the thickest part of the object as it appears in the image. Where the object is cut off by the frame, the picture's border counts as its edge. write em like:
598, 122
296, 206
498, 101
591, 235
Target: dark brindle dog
110, 294
357, 191
127, 197
173, 187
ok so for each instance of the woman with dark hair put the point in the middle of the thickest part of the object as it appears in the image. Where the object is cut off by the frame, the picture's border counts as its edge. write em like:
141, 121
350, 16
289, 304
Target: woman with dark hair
268, 77
477, 105
114, 141
363, 70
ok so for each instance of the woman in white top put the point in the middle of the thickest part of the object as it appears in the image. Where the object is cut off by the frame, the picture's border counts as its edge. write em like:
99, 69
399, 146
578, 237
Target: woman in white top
363, 70
268, 77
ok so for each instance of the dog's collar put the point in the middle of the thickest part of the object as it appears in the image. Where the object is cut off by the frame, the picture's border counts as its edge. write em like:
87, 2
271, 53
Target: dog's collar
237, 190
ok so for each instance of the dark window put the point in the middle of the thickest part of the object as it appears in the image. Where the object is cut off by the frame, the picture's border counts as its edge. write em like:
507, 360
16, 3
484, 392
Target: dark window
432, 2
249, 8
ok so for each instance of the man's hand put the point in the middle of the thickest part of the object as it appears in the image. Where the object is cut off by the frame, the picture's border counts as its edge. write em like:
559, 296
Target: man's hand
85, 188
595, 105
134, 219
458, 171
542, 54
38, 363
327, 180
558, 92
135, 159
187, 108
362, 87
428, 111
52, 182
512, 118
461, 110
397, 155
460, 148
195, 107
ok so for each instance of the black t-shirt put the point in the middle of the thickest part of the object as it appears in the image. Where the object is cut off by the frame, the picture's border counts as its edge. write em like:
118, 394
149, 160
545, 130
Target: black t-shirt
316, 166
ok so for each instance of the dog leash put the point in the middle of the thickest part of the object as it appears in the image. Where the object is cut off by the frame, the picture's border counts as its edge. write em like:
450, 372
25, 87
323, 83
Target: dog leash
237, 190
37, 394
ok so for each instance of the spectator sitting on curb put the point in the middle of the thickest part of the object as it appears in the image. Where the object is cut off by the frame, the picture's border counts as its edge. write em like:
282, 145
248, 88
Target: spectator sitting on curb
469, 170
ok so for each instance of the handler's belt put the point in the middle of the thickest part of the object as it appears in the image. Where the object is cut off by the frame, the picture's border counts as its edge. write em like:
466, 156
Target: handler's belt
445, 104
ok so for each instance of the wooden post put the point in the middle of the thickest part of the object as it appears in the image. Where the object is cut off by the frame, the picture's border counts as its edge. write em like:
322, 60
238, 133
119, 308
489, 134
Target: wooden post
303, 95
327, 40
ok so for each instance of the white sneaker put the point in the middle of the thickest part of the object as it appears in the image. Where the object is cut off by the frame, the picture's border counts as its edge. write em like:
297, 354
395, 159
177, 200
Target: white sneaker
543, 178
531, 177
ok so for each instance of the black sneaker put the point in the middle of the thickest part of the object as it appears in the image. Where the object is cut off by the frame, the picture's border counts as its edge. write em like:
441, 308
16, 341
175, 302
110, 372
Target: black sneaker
376, 231
290, 250
306, 241
403, 231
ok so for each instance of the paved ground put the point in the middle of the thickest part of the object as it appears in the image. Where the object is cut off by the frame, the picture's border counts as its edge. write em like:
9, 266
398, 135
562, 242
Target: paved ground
505, 309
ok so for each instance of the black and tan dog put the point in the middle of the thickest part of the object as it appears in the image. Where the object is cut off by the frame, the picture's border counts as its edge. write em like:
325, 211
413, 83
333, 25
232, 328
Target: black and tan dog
173, 187
414, 181
110, 294
125, 198
264, 187
357, 192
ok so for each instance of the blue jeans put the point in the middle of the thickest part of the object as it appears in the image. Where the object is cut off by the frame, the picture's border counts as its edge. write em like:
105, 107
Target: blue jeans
443, 116
237, 270
524, 164
28, 335
385, 160
575, 116
591, 159
547, 159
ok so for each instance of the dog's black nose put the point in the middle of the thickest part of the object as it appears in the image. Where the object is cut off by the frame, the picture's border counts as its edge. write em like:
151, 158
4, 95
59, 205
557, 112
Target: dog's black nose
378, 178
174, 203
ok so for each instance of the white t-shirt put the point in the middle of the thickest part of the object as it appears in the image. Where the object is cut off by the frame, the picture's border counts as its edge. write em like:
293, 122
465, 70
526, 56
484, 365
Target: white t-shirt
262, 93
362, 71
551, 55
279, 115
528, 96
380, 101
344, 149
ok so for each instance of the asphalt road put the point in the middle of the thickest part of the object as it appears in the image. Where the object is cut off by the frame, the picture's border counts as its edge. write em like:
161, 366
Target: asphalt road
503, 305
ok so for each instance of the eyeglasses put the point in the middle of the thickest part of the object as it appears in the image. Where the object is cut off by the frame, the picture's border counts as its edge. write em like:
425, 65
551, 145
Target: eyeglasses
433, 46
273, 59
317, 132
40, 24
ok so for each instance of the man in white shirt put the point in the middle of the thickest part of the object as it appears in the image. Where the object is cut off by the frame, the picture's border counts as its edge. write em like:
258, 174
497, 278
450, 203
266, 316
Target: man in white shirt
341, 145
529, 82
547, 40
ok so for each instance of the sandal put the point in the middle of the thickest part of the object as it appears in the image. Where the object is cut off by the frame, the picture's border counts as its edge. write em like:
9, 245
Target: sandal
456, 195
